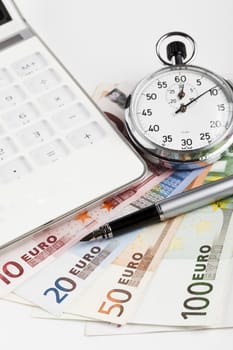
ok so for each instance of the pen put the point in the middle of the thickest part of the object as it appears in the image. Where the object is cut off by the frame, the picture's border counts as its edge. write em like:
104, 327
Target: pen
166, 209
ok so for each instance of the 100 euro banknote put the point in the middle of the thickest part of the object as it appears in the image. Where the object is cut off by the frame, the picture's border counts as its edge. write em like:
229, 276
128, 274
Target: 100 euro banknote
189, 284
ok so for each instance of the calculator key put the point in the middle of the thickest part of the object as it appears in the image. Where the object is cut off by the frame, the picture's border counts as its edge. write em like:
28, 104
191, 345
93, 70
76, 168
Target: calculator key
11, 97
72, 116
14, 170
87, 135
35, 134
5, 78
20, 116
49, 153
29, 65
7, 148
56, 98
41, 82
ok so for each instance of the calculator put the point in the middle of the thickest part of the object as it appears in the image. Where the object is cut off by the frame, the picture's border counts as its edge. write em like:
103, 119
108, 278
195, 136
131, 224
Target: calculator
58, 152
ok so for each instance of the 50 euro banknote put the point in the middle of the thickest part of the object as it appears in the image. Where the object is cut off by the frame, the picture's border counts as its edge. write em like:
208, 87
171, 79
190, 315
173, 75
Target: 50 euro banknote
115, 294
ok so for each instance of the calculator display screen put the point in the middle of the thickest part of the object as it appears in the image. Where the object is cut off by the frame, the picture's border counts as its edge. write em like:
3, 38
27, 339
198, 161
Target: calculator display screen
4, 15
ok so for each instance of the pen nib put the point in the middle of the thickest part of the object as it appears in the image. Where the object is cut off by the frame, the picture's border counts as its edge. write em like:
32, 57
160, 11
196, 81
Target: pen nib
103, 232
88, 237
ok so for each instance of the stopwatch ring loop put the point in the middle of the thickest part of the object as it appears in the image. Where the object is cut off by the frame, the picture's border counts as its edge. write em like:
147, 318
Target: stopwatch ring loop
165, 36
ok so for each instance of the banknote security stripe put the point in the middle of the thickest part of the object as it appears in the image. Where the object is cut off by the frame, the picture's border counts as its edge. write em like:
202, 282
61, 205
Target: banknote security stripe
91, 267
139, 271
212, 265
85, 259
90, 262
48, 251
131, 269
200, 289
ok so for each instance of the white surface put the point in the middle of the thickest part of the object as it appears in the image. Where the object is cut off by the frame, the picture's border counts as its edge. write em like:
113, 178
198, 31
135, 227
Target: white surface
114, 41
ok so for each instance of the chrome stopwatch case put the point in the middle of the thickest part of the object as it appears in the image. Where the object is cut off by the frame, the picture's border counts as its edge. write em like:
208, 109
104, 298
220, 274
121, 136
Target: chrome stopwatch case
182, 115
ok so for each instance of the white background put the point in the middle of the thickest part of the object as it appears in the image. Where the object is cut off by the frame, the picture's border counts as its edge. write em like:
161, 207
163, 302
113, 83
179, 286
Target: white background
112, 41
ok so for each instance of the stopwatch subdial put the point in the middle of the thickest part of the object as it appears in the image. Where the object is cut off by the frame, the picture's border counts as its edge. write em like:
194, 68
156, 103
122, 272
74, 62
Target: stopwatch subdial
182, 93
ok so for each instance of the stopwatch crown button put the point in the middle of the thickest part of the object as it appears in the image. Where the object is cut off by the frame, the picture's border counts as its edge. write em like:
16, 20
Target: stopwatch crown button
176, 49
127, 103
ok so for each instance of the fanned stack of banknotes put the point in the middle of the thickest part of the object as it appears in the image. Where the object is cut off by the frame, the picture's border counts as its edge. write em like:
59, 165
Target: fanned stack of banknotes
171, 276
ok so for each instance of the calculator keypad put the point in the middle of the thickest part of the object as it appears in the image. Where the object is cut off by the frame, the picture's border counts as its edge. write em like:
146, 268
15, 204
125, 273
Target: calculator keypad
42, 119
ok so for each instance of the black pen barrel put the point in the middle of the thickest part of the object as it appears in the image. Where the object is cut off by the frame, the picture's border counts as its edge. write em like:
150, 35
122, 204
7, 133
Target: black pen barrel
138, 218
167, 208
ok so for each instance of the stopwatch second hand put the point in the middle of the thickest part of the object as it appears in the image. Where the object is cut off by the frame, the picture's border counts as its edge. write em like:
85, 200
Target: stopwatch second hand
184, 107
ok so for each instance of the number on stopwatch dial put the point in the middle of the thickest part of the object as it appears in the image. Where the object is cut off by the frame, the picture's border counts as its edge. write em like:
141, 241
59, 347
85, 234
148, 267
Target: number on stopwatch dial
183, 108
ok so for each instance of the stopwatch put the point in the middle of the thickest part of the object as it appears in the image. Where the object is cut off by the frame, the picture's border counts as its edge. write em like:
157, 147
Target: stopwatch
180, 116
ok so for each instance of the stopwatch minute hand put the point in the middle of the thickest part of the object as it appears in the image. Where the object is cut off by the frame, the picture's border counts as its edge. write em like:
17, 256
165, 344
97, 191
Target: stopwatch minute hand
183, 107
181, 94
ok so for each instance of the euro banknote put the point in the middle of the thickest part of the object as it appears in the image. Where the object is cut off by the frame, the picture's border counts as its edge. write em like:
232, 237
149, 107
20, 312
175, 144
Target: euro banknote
55, 287
191, 281
115, 294
94, 328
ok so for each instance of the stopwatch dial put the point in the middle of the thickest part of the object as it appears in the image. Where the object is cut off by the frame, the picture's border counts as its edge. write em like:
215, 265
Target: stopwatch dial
183, 108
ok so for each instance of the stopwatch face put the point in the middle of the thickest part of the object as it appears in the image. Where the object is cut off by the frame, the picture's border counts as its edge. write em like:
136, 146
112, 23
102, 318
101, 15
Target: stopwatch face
182, 113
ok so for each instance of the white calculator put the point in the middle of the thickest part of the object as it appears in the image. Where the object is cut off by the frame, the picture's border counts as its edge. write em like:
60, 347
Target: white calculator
58, 153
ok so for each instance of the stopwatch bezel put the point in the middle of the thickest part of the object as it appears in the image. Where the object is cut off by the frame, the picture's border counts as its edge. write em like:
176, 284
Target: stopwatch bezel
180, 158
